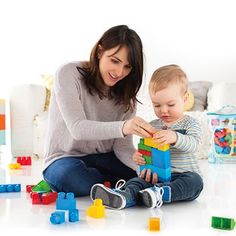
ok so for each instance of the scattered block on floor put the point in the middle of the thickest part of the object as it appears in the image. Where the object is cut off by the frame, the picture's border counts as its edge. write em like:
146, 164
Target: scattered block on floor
154, 224
65, 201
8, 188
41, 187
57, 217
97, 210
222, 223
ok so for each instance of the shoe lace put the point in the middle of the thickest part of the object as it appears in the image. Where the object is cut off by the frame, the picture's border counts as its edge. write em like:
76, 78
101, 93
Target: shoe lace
119, 184
159, 191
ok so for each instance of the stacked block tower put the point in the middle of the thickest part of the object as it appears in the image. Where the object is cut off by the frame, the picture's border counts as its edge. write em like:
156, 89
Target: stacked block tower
157, 158
2, 122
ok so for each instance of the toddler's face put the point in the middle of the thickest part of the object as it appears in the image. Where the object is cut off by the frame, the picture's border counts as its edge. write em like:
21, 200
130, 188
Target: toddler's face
168, 103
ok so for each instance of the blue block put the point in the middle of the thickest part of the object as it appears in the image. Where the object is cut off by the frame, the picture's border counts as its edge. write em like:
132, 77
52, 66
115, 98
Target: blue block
2, 137
161, 159
74, 215
164, 175
8, 188
57, 217
65, 201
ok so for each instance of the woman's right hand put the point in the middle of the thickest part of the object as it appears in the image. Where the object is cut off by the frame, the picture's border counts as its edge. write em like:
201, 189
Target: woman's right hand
138, 126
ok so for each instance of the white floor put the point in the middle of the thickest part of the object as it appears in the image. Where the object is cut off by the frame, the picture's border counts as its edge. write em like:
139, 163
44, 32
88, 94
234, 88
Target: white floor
17, 214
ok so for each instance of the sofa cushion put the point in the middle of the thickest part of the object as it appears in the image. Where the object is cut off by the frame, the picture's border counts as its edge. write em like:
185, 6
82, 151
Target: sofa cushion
200, 91
221, 94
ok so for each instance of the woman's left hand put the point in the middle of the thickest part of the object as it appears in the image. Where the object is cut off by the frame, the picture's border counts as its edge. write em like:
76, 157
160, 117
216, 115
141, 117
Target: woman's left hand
138, 126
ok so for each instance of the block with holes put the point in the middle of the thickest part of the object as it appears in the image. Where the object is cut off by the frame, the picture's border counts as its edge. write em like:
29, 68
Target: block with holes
157, 158
7, 188
65, 201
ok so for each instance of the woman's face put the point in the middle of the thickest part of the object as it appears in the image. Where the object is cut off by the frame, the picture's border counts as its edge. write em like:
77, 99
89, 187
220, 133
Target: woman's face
114, 66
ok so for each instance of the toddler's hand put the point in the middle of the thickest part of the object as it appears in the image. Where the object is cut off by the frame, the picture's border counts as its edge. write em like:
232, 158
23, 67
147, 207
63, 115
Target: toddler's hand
163, 137
138, 158
148, 176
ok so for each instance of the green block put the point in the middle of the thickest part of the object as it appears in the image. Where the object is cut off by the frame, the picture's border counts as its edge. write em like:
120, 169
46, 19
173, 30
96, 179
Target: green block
41, 187
148, 159
144, 147
141, 141
222, 223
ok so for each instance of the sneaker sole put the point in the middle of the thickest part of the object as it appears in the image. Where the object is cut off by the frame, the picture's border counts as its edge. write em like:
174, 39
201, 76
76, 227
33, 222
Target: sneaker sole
109, 197
146, 199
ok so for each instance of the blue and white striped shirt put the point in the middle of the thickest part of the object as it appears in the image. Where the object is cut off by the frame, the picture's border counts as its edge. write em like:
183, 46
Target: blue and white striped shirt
183, 157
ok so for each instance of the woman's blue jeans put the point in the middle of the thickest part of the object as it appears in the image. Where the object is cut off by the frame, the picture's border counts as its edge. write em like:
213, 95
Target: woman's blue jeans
78, 174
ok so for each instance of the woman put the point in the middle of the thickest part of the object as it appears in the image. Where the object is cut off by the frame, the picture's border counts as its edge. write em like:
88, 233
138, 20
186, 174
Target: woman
92, 115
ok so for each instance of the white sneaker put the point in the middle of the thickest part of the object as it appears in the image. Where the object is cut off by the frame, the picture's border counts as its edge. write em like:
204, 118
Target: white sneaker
111, 198
152, 197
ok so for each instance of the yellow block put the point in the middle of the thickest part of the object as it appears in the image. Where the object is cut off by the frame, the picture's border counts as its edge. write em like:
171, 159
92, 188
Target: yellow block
97, 210
14, 166
149, 142
154, 224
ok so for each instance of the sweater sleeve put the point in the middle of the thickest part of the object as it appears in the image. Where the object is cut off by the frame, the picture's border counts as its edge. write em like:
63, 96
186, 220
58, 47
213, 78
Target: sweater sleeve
67, 94
124, 148
189, 141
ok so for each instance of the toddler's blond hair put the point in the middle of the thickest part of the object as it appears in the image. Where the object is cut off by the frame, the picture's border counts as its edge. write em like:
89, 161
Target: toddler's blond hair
166, 75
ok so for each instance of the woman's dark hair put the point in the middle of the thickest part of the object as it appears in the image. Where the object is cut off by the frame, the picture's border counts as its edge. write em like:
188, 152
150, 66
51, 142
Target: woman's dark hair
125, 91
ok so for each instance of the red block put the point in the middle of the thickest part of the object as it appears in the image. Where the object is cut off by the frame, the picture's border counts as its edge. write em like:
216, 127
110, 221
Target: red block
48, 198
36, 198
29, 188
107, 184
43, 198
24, 161
144, 152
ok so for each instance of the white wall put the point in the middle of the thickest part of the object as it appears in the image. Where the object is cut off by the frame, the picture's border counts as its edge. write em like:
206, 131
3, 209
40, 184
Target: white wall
39, 35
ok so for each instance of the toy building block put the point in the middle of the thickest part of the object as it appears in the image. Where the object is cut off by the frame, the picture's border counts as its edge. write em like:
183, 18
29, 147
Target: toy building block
65, 201
14, 166
2, 122
24, 161
154, 224
222, 223
36, 197
2, 137
149, 142
97, 210
164, 175
157, 158
73, 215
107, 184
6, 188
29, 188
57, 217
48, 198
43, 198
41, 187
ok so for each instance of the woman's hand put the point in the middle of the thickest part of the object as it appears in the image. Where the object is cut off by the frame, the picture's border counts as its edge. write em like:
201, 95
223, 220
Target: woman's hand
148, 176
138, 158
139, 127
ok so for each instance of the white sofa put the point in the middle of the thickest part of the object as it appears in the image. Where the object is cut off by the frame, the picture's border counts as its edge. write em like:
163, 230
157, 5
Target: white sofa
29, 118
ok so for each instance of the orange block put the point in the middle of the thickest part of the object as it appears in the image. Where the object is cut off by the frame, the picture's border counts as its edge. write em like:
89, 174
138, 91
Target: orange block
2, 122
154, 224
